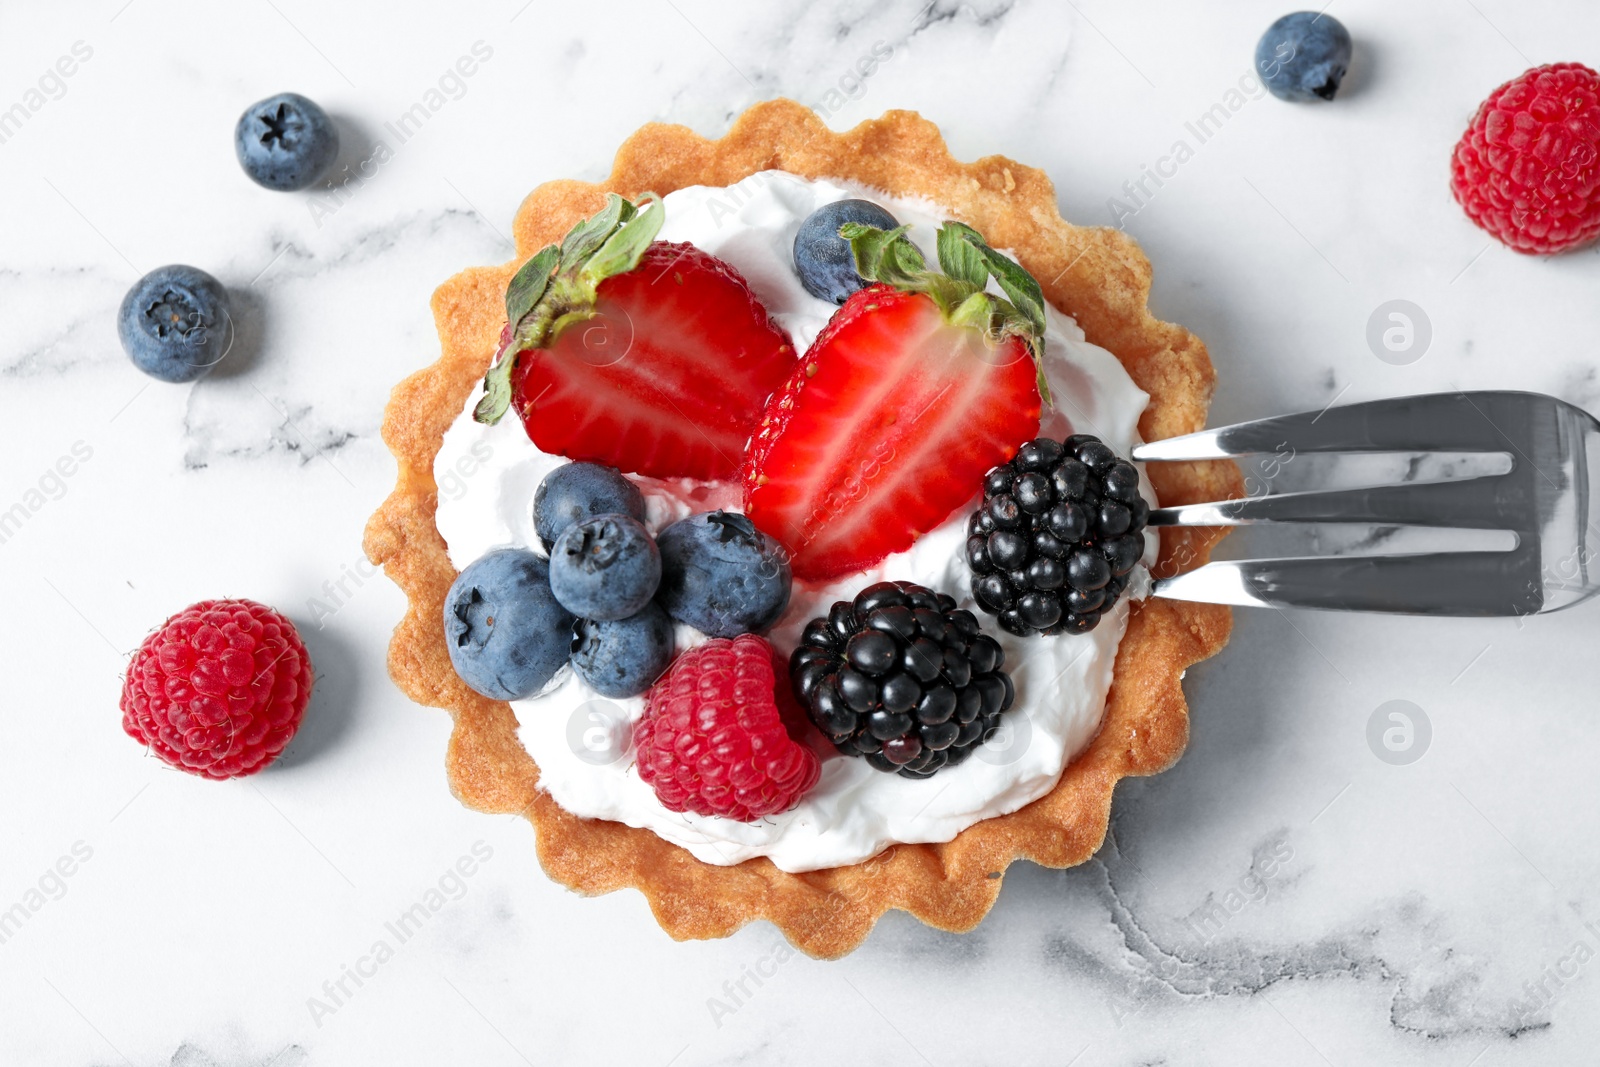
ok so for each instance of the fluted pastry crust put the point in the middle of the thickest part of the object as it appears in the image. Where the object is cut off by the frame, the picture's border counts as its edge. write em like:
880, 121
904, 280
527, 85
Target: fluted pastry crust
1095, 274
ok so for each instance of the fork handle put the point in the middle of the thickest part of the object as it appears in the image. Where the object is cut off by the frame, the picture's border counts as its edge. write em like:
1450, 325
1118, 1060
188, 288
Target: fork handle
1437, 583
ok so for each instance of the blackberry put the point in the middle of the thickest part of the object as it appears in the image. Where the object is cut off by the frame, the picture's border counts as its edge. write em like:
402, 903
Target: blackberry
1060, 529
903, 678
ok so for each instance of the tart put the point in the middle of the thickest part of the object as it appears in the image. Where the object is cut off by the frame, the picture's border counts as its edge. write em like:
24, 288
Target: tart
700, 887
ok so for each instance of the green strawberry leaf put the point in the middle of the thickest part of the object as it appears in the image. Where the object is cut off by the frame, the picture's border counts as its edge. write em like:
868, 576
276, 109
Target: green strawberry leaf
529, 283
884, 255
958, 257
1015, 282
588, 235
497, 388
960, 291
624, 248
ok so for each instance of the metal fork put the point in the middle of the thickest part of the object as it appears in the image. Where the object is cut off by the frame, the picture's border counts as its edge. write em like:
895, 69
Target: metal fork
1546, 500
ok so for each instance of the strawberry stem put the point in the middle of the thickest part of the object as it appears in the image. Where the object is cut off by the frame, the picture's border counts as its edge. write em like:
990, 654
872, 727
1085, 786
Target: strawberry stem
960, 287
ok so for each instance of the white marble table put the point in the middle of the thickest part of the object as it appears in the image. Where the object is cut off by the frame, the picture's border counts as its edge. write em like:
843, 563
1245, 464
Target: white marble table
1282, 896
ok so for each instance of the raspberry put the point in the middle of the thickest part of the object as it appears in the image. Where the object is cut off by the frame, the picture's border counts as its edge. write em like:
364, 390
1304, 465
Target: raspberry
1528, 168
714, 738
219, 689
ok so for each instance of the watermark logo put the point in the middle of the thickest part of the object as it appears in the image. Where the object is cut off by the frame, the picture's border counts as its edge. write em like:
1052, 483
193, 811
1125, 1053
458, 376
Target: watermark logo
338, 592
51, 85
1137, 193
1399, 732
50, 486
1009, 741
48, 887
451, 886
1268, 862
452, 481
1540, 993
1399, 332
852, 84
606, 339
737, 992
451, 85
1267, 468
599, 732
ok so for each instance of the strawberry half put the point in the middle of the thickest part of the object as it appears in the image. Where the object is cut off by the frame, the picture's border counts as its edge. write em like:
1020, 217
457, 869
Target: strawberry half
648, 356
912, 392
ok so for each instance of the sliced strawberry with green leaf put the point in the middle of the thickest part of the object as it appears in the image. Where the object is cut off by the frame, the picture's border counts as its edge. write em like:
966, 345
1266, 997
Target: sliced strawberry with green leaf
916, 387
648, 356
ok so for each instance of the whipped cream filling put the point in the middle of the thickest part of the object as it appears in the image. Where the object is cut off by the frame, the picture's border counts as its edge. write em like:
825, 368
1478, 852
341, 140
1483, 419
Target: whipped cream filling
487, 476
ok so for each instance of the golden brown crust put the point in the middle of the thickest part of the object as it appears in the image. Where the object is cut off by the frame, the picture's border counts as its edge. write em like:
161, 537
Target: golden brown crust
1097, 275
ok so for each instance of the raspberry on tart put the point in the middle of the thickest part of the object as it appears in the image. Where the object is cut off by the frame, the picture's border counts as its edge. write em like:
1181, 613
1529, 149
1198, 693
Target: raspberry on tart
713, 739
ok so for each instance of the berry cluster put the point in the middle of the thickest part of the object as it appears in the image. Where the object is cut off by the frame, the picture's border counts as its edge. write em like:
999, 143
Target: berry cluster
606, 599
902, 677
1060, 528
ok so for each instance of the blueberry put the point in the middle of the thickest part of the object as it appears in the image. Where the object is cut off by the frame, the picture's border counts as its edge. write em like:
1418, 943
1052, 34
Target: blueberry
1304, 56
285, 142
721, 575
822, 259
577, 491
506, 633
605, 568
622, 657
174, 323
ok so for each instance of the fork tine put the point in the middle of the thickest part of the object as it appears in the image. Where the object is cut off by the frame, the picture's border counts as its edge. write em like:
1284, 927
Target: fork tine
1435, 422
1492, 502
1439, 583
